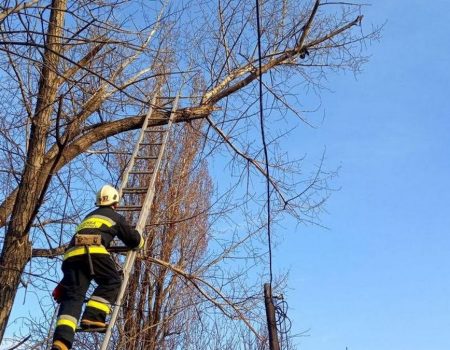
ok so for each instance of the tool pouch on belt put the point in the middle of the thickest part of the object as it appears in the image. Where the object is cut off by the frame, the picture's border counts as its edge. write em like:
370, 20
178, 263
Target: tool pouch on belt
86, 241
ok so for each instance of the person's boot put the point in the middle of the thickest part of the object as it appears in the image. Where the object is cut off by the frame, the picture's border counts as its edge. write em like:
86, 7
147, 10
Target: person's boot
89, 324
59, 345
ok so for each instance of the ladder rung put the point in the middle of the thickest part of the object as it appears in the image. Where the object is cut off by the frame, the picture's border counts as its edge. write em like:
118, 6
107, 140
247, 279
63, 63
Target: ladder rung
153, 130
140, 172
135, 190
124, 152
118, 249
129, 208
166, 97
146, 157
156, 119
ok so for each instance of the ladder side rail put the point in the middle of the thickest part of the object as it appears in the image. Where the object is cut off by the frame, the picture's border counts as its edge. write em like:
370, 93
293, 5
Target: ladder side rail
145, 211
136, 149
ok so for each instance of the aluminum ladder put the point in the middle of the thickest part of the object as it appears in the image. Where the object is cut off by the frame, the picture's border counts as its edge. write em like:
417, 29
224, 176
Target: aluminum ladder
137, 191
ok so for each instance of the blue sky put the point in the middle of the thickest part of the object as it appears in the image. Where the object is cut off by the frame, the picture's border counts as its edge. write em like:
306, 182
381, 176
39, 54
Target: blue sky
379, 277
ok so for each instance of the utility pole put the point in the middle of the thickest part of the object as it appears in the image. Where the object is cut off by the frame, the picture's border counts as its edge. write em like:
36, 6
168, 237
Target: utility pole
270, 313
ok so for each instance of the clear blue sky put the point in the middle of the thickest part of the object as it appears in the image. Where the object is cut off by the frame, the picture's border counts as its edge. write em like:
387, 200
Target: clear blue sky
379, 278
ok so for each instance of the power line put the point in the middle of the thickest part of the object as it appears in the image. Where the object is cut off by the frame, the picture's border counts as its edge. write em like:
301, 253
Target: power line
263, 137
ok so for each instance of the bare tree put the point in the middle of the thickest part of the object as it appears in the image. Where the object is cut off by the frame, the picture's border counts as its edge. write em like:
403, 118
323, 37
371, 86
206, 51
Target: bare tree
75, 75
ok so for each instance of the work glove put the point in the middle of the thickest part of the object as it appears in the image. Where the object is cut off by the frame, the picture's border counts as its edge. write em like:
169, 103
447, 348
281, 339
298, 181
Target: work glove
141, 244
58, 293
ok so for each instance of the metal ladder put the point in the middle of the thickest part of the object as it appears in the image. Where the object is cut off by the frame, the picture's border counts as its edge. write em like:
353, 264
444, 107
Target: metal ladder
137, 191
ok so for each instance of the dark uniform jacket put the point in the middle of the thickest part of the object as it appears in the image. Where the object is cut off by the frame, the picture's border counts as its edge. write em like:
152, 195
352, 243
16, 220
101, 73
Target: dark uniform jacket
109, 224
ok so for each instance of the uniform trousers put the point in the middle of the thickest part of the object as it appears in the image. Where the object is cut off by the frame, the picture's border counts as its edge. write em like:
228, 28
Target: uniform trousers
76, 281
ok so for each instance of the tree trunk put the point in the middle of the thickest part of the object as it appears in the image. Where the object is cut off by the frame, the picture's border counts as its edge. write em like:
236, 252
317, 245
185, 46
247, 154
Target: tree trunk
15, 255
17, 249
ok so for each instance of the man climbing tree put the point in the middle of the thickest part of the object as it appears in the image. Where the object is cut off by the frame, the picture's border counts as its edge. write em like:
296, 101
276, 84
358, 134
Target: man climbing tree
88, 259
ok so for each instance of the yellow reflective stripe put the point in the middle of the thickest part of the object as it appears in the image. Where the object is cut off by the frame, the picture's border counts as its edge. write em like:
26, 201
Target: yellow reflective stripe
110, 222
82, 250
95, 222
97, 305
65, 322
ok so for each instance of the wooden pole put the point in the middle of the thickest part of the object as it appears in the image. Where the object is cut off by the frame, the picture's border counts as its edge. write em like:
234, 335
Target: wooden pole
270, 313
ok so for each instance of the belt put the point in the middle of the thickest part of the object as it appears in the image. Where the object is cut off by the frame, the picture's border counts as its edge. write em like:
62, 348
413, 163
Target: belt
75, 251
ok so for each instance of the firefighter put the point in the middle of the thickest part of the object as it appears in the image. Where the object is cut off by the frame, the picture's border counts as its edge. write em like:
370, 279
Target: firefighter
87, 259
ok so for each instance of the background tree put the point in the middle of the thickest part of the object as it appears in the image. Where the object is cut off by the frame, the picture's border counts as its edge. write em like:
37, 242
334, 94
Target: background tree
78, 74
160, 304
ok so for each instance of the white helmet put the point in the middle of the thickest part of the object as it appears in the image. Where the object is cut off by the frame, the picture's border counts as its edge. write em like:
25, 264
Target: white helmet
106, 196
